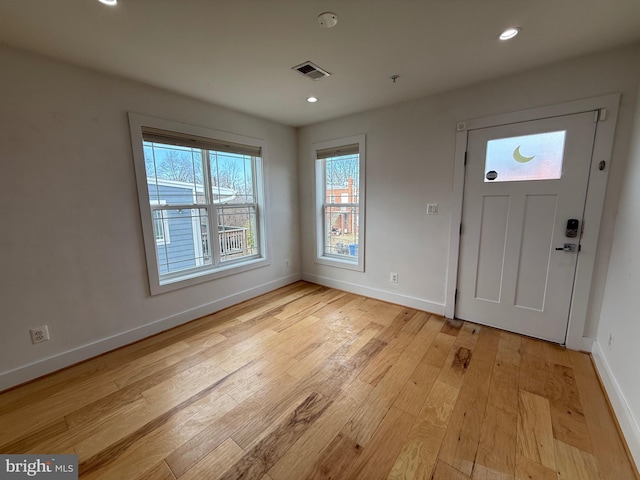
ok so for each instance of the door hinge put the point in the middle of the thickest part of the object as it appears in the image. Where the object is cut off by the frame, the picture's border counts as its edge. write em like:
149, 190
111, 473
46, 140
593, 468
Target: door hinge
455, 296
465, 158
460, 229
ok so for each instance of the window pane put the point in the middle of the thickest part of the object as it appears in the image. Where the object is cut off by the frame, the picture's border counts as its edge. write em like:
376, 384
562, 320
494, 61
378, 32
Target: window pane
530, 157
342, 231
237, 232
160, 230
174, 174
187, 245
341, 179
231, 177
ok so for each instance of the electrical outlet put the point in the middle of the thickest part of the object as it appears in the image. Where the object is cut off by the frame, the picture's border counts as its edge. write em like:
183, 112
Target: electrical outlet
394, 277
286, 264
39, 334
610, 340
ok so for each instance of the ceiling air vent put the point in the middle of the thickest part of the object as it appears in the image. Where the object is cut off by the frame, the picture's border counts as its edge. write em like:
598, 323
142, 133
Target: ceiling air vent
311, 71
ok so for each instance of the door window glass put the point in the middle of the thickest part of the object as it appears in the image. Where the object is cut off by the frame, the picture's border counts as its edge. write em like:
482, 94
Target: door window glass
530, 157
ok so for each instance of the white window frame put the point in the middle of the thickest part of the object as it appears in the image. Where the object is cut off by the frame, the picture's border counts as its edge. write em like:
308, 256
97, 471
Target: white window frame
336, 260
166, 236
200, 273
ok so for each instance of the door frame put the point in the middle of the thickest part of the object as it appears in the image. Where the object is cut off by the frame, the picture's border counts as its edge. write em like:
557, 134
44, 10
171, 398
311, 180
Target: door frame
607, 114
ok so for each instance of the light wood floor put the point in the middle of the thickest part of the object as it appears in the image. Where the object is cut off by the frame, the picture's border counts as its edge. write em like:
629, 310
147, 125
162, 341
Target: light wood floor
310, 382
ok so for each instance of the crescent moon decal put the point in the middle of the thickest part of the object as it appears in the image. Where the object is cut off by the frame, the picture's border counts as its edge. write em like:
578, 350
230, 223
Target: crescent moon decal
518, 157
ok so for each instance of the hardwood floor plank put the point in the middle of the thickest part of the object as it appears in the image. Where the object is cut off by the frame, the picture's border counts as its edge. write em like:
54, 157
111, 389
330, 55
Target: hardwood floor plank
100, 432
415, 391
199, 446
160, 472
556, 355
398, 325
509, 348
131, 392
214, 465
135, 454
608, 447
31, 440
365, 421
185, 385
243, 388
567, 415
54, 383
46, 411
336, 458
419, 453
574, 463
154, 429
275, 306
357, 339
535, 432
298, 461
459, 357
378, 368
257, 462
533, 367
529, 470
381, 312
447, 472
503, 389
148, 365
378, 457
452, 327
460, 443
496, 457
439, 350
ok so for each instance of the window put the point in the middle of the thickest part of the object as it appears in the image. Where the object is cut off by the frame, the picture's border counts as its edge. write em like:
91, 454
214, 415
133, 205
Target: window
160, 223
530, 157
340, 197
201, 201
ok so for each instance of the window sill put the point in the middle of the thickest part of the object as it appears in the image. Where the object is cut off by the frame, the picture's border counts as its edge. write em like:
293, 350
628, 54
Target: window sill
164, 285
357, 266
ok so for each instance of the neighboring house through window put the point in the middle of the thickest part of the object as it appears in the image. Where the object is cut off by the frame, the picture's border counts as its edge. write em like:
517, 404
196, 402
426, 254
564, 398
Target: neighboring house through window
201, 201
340, 196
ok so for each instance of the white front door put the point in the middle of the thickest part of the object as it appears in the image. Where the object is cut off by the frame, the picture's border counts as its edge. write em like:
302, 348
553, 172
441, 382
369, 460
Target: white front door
523, 183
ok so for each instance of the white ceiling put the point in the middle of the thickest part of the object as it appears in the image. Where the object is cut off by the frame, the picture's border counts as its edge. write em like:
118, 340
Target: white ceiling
239, 53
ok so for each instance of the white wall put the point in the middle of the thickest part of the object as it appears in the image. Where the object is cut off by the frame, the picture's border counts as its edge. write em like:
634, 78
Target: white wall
410, 158
618, 362
71, 245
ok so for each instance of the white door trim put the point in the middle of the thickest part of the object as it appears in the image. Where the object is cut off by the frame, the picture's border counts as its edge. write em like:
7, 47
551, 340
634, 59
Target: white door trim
603, 145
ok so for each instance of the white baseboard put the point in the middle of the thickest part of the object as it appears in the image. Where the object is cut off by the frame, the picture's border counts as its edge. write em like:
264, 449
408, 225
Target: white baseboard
404, 300
627, 422
50, 364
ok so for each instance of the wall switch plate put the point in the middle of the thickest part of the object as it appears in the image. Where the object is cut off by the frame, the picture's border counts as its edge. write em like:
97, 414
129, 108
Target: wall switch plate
39, 334
432, 208
393, 277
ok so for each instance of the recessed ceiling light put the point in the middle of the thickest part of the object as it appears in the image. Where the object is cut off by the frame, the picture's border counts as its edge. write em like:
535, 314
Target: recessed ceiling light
312, 99
510, 33
109, 2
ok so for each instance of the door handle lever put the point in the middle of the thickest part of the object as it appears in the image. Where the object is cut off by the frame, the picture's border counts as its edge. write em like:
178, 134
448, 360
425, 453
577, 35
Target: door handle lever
567, 247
